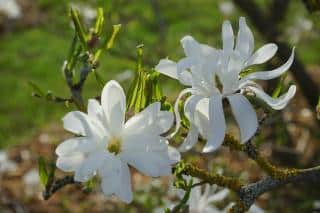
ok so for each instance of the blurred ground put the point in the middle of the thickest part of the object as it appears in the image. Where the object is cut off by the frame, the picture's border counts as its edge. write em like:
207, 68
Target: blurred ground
33, 46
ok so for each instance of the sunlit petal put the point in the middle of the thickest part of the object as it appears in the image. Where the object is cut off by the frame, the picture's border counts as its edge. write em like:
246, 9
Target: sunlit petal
245, 116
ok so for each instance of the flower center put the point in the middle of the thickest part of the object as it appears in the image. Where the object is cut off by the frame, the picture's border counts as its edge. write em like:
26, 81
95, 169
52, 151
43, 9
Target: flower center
114, 145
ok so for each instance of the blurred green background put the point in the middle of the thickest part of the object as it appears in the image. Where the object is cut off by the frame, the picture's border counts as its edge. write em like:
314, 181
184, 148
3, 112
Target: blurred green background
33, 49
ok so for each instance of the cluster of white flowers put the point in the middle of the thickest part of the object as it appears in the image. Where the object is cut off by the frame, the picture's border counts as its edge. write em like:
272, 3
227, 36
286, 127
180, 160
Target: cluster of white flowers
215, 74
107, 144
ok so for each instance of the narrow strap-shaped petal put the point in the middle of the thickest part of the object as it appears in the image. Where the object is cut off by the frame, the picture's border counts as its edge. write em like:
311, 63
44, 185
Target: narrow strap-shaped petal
191, 139
263, 54
151, 120
113, 101
97, 117
183, 73
275, 103
78, 123
190, 46
227, 37
176, 111
218, 196
168, 68
217, 124
266, 75
245, 116
245, 41
189, 110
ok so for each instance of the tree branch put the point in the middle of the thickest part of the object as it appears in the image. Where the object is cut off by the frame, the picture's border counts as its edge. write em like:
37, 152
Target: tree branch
57, 185
249, 193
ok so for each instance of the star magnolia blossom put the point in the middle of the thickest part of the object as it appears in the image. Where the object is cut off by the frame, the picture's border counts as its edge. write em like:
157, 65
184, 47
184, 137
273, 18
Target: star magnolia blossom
202, 202
204, 68
108, 145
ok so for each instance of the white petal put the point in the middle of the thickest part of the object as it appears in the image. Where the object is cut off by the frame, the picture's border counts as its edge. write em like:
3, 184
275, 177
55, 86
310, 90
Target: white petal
176, 110
148, 154
77, 144
276, 103
245, 116
191, 46
219, 196
201, 117
183, 72
217, 124
207, 50
190, 106
266, 75
78, 123
193, 133
227, 37
150, 120
168, 68
95, 110
116, 179
174, 155
113, 102
255, 209
245, 41
70, 163
89, 166
263, 54
211, 209
191, 139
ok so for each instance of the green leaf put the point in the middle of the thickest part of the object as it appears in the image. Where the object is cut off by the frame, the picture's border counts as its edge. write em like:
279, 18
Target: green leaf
115, 31
43, 174
99, 22
51, 173
89, 185
276, 93
137, 96
79, 27
36, 89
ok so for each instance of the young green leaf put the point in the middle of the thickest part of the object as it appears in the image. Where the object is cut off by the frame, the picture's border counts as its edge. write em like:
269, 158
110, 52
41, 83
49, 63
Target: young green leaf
115, 31
277, 92
79, 27
43, 174
36, 89
99, 21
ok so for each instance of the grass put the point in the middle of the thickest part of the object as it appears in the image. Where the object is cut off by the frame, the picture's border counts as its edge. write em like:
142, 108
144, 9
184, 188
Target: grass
37, 53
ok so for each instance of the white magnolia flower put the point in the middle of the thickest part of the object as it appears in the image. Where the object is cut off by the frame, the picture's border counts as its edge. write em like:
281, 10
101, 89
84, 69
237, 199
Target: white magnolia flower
200, 70
199, 201
203, 199
203, 202
108, 144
